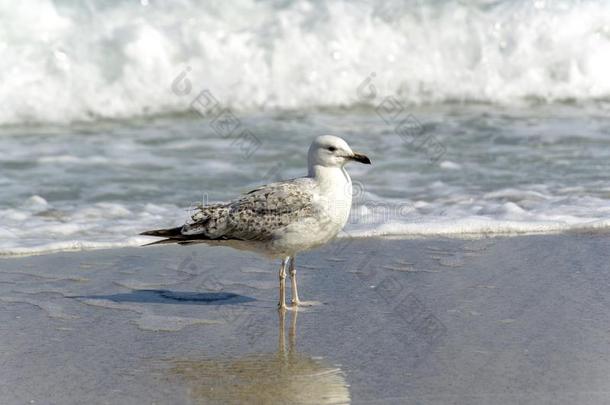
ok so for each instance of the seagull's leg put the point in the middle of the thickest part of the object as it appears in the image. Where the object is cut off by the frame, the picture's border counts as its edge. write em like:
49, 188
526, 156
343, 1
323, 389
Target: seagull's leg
293, 277
282, 339
282, 303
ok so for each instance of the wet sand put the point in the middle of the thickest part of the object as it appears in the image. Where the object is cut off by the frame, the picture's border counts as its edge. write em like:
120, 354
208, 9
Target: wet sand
503, 320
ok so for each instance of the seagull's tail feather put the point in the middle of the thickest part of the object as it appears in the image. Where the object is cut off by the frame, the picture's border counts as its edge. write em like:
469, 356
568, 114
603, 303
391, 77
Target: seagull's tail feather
174, 235
166, 233
163, 242
171, 235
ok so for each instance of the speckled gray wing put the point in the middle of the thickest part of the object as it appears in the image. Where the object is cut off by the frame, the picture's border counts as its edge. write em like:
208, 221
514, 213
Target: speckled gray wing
209, 221
256, 215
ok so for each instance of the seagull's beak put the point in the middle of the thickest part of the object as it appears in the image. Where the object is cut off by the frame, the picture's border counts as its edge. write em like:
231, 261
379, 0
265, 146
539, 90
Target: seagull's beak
359, 157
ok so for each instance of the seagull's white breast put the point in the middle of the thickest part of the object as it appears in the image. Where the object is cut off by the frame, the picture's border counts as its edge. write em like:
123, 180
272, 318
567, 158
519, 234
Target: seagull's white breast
332, 200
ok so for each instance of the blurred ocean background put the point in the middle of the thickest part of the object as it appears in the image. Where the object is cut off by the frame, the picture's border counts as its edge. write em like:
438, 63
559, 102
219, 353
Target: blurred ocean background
481, 117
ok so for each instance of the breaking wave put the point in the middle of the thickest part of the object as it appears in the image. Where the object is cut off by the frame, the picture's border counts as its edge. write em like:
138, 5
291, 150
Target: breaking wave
88, 60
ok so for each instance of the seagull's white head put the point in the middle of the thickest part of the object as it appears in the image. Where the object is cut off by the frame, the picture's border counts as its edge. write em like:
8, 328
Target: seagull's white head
332, 151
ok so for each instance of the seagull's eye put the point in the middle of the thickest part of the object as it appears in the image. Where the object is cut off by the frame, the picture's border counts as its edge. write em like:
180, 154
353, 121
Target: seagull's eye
332, 148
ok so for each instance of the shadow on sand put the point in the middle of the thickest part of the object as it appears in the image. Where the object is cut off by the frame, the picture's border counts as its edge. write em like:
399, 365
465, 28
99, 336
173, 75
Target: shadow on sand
174, 297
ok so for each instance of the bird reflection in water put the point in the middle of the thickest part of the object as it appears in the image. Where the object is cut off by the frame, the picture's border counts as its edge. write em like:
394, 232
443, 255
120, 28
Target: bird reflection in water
268, 378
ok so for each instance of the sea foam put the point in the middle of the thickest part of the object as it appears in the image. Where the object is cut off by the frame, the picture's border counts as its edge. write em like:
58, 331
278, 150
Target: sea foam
104, 226
86, 60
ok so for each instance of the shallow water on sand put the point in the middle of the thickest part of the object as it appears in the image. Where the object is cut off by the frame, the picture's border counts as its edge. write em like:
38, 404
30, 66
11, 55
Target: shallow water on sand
497, 320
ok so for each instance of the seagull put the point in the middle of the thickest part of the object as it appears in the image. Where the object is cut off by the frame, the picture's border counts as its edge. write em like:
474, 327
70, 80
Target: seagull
282, 219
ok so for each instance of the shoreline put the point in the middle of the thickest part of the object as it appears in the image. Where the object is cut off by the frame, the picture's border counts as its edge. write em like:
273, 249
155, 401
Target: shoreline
140, 242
